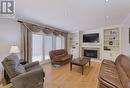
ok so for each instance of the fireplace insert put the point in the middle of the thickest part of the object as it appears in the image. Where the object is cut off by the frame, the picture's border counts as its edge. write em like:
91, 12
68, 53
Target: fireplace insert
91, 53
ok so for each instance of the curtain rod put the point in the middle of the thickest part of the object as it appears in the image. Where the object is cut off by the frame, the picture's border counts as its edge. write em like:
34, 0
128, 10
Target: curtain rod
19, 21
41, 26
24, 25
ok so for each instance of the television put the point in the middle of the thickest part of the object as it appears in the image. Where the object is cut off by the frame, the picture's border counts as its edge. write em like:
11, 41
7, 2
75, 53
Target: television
91, 38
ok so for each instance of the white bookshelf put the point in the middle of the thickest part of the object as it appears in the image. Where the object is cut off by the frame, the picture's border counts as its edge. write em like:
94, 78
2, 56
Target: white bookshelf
111, 43
75, 49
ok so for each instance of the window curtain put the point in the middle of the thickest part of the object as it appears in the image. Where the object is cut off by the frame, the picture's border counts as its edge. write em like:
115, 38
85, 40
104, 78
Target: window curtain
26, 43
27, 29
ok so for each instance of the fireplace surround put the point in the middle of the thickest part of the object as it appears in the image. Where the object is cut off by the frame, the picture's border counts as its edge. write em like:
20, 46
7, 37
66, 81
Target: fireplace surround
91, 52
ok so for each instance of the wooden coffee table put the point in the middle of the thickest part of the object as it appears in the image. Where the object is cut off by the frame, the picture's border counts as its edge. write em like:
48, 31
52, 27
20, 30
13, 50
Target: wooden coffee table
80, 62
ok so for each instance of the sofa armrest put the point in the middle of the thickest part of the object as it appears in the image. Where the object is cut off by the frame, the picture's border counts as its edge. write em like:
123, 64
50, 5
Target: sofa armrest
28, 65
71, 56
33, 78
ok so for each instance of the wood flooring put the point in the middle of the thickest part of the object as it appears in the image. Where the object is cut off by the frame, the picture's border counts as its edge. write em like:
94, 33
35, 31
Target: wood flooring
62, 77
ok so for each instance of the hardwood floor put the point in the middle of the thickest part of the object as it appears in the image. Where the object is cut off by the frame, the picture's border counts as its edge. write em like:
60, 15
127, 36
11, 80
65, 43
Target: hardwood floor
2, 85
62, 77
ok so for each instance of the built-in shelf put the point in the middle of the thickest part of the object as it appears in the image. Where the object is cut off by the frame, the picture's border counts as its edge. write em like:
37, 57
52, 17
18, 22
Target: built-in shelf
111, 43
111, 39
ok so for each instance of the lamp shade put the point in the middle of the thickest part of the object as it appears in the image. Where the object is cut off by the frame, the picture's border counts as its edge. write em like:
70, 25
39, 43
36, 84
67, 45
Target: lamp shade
14, 49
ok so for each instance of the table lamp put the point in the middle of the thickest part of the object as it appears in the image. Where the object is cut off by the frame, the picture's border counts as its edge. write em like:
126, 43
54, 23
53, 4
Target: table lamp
14, 49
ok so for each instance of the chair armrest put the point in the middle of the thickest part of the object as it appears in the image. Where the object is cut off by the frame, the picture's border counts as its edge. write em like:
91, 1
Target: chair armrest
31, 64
58, 58
30, 79
71, 56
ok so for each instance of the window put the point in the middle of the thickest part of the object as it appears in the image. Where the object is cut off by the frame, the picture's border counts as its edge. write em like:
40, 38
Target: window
60, 42
48, 46
42, 44
37, 47
63, 42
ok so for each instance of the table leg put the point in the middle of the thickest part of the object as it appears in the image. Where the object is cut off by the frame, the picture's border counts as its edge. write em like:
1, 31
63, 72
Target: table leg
89, 63
82, 70
70, 66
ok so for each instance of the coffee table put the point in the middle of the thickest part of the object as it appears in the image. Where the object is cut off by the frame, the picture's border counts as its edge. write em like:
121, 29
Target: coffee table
80, 62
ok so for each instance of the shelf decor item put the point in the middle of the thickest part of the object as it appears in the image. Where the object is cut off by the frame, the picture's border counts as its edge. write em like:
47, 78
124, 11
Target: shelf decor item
110, 43
111, 39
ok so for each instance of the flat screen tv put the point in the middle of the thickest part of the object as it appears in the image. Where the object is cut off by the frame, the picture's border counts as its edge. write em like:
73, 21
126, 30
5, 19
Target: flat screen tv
91, 38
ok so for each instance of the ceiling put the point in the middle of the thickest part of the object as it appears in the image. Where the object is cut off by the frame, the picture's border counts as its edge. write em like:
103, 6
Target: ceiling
73, 15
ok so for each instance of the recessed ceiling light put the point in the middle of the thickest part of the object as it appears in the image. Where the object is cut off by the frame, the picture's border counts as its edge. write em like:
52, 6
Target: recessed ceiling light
106, 1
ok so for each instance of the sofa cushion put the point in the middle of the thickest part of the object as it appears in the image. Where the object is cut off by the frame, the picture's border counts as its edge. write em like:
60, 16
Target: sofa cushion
123, 67
123, 76
66, 57
125, 64
104, 84
108, 62
20, 69
109, 74
59, 52
117, 74
33, 67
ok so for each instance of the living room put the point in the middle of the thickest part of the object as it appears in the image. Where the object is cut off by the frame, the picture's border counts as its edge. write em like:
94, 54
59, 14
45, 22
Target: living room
65, 44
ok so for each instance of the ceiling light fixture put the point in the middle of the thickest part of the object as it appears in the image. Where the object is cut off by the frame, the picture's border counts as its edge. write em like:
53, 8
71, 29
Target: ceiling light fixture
106, 1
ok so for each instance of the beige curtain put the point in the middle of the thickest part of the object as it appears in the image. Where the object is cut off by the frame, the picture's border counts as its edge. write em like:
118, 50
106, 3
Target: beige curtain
56, 33
26, 41
47, 30
27, 29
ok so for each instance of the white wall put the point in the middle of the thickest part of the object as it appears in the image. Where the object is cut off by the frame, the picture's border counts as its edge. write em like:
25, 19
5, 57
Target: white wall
125, 45
9, 35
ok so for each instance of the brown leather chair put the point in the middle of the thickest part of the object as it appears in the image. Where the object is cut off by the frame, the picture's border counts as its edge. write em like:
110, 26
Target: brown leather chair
60, 57
115, 74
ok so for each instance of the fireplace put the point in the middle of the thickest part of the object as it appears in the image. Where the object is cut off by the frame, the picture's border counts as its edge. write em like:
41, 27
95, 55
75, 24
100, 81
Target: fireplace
92, 53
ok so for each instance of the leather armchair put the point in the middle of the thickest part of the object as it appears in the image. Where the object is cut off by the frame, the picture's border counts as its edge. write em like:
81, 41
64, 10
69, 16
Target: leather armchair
30, 75
60, 57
